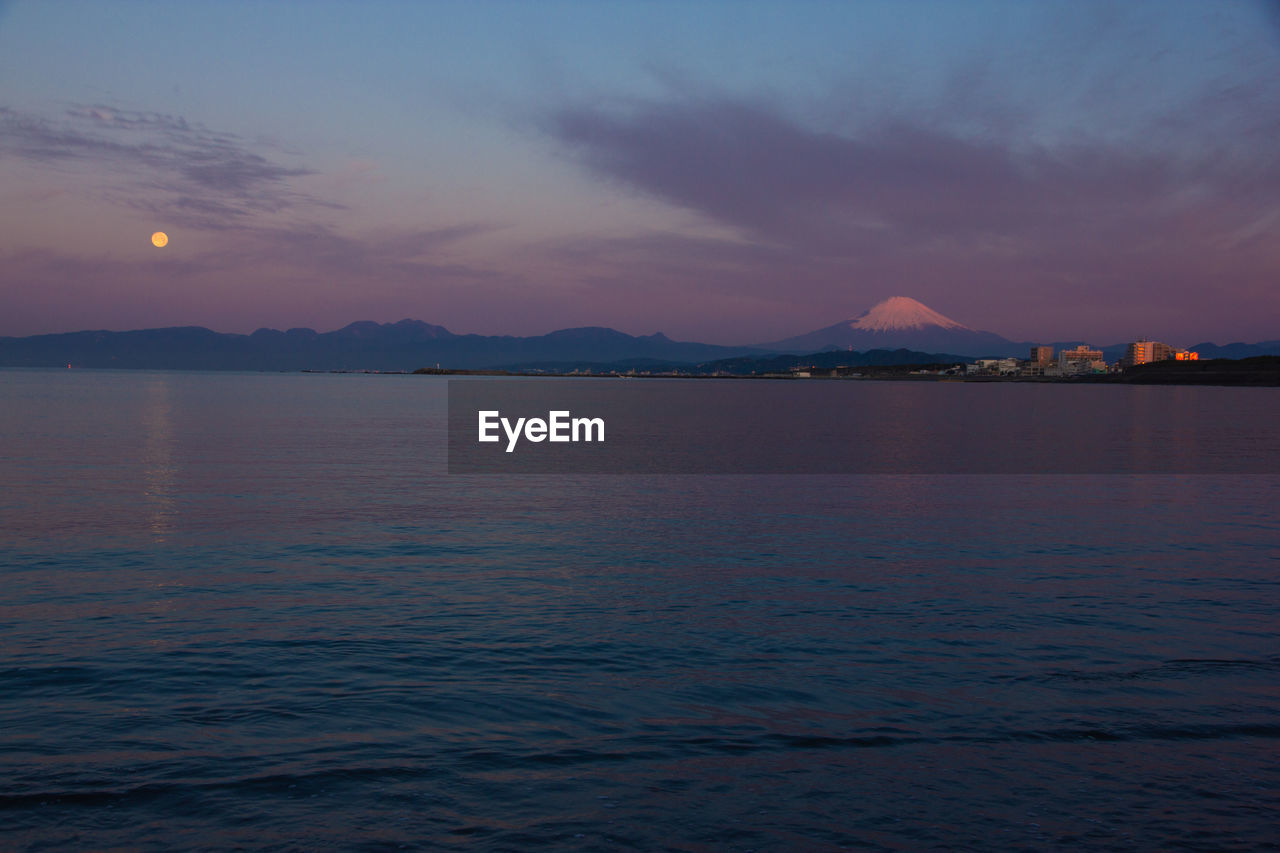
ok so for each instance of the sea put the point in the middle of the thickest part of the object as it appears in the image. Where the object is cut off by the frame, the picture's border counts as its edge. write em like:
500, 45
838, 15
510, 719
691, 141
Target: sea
249, 611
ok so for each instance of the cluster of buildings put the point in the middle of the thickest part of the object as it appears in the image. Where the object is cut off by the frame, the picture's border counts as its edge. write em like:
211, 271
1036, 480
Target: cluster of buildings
1141, 352
1079, 360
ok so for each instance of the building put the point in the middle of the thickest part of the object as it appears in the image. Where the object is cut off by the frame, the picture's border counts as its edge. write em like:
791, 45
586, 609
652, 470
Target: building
997, 366
1082, 359
1144, 351
1138, 352
1041, 355
1080, 353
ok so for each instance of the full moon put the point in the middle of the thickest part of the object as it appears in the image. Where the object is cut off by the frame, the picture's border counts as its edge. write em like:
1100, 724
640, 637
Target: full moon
159, 238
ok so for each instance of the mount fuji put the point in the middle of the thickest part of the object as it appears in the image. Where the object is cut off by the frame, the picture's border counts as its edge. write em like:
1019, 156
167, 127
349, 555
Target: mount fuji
901, 322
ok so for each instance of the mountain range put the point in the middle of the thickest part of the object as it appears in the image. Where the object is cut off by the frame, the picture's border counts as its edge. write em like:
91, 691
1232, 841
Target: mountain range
900, 325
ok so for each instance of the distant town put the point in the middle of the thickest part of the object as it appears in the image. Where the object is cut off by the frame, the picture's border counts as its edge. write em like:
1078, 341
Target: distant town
1043, 361
1077, 361
1144, 362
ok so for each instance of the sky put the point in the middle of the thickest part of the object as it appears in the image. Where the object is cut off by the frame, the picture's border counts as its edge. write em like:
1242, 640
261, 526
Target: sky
730, 172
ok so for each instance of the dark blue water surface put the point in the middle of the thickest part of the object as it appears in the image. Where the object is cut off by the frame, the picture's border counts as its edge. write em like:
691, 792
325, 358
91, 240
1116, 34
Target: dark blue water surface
244, 610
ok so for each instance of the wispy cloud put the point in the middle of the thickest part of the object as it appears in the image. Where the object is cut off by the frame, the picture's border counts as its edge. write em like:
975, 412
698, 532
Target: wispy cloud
388, 258
776, 181
305, 266
160, 162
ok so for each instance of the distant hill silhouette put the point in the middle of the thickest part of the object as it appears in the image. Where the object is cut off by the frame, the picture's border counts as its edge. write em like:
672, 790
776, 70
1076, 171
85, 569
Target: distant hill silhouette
1253, 370
405, 345
1237, 350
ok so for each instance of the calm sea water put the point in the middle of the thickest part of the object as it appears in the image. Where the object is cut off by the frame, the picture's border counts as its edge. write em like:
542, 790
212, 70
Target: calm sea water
253, 611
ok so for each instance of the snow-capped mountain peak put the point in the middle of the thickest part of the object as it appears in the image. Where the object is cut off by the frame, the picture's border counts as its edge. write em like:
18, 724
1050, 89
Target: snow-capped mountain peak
901, 323
902, 312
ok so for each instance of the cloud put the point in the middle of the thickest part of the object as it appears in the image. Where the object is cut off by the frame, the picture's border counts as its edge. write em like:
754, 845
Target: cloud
388, 258
159, 162
745, 166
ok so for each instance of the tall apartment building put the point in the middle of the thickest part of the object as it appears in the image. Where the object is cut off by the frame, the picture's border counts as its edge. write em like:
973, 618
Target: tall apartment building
1041, 355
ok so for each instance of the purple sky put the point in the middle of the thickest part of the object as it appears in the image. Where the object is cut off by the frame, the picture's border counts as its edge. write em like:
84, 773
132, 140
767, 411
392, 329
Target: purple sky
727, 172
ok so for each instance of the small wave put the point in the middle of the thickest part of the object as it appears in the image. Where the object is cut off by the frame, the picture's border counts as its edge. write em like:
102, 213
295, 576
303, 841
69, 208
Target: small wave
300, 784
23, 677
1171, 669
651, 748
